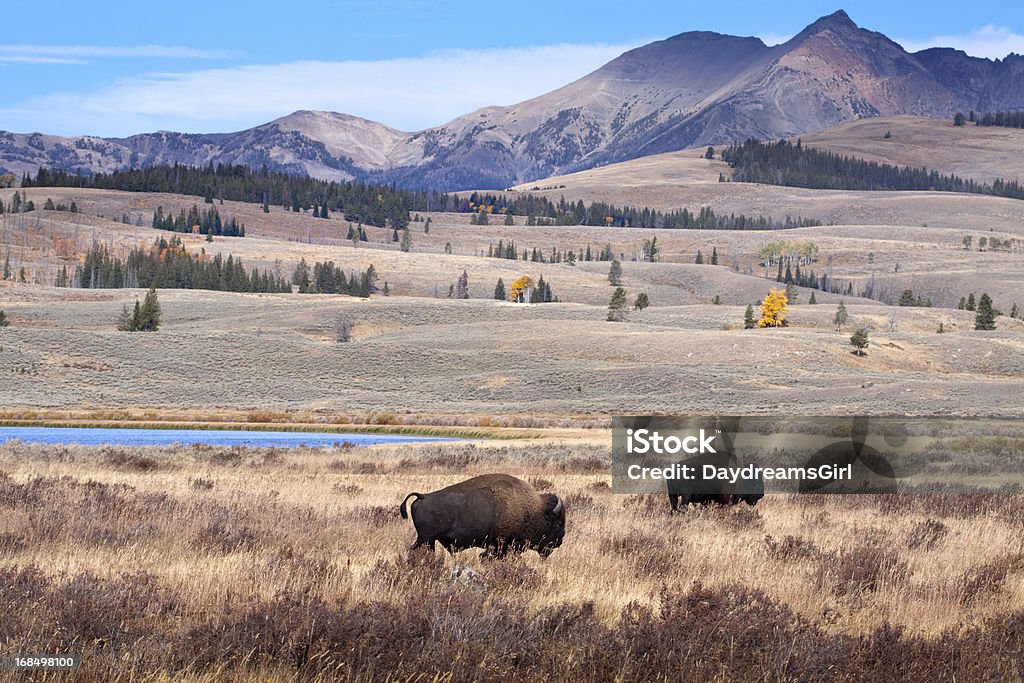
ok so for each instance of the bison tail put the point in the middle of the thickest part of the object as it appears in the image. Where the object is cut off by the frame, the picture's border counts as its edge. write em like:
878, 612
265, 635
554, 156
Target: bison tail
401, 508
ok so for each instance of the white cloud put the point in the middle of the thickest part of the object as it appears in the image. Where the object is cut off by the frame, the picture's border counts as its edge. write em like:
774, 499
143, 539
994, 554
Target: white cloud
990, 41
408, 93
35, 59
74, 53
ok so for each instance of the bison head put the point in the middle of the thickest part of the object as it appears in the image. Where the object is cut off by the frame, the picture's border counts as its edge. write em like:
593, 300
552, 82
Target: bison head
554, 515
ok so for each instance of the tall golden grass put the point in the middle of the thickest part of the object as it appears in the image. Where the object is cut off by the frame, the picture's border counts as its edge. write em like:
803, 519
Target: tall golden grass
206, 563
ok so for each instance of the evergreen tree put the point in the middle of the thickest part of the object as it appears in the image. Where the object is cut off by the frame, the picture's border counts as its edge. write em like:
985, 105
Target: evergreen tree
426, 226
841, 317
812, 300
149, 314
986, 316
4, 322
1014, 312
462, 287
642, 301
7, 265
700, 258
499, 290
714, 256
615, 273
509, 220
125, 321
970, 302
859, 340
406, 244
617, 306
749, 321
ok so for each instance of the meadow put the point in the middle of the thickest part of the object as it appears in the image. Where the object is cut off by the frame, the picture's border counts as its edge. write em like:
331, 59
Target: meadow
200, 563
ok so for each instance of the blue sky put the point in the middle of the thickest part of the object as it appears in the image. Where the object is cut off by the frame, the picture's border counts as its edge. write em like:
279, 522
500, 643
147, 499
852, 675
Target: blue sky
117, 68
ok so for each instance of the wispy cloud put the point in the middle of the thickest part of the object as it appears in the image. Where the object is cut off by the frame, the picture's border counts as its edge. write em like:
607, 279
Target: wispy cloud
76, 54
35, 59
408, 93
990, 41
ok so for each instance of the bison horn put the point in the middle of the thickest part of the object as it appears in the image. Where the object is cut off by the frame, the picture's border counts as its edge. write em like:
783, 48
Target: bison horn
558, 506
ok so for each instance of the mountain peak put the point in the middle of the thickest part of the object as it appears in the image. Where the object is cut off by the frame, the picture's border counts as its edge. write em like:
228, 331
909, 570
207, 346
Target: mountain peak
837, 21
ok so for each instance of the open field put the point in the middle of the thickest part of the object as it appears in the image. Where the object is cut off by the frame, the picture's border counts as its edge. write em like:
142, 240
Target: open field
202, 563
413, 356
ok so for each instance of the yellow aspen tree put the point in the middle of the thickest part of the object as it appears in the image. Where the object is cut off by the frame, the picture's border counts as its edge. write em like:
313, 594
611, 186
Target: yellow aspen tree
518, 291
773, 309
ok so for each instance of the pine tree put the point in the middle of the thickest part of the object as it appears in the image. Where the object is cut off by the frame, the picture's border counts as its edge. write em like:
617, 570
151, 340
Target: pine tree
125, 323
149, 314
509, 220
986, 316
700, 258
617, 306
7, 265
499, 290
426, 226
615, 273
1014, 312
714, 256
970, 302
462, 288
749, 321
812, 300
841, 317
642, 301
406, 244
4, 322
859, 340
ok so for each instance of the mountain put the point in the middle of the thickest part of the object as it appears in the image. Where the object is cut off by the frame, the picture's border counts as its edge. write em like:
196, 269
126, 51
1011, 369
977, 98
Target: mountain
693, 89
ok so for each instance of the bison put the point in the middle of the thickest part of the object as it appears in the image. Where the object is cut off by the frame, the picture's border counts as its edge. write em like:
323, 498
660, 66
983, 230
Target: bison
708, 491
497, 512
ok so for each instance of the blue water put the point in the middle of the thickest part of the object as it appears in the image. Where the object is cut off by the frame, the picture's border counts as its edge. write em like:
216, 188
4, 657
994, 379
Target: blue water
214, 437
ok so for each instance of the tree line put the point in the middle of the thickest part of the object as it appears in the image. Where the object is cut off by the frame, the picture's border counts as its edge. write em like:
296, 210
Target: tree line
372, 204
509, 250
793, 165
208, 221
166, 264
327, 278
1005, 119
542, 211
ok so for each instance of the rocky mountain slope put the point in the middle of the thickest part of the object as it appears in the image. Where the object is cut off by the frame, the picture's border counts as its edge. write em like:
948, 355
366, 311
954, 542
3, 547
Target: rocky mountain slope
696, 88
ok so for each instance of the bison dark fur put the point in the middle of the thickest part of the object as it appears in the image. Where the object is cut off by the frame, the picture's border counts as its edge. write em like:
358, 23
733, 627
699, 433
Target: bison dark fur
702, 491
496, 512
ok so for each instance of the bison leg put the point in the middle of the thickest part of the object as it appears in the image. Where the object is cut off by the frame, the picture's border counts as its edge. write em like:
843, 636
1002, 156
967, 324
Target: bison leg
420, 542
673, 500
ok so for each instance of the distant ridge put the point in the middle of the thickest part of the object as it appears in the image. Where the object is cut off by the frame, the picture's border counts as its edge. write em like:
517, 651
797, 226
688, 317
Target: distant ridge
693, 89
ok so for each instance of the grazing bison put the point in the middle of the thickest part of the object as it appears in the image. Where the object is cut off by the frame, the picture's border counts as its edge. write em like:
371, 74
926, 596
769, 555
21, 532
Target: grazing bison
707, 491
493, 511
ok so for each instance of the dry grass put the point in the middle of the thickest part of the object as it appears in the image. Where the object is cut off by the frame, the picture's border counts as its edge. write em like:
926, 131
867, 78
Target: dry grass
202, 563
